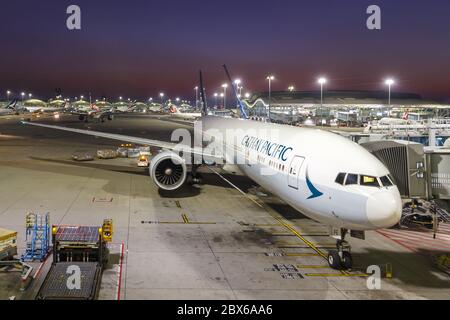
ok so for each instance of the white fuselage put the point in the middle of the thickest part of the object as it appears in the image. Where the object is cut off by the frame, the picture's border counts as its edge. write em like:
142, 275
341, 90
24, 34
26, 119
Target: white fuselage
175, 113
300, 165
186, 116
6, 111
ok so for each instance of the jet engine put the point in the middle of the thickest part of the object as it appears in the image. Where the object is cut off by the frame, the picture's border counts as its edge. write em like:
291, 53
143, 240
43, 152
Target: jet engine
168, 170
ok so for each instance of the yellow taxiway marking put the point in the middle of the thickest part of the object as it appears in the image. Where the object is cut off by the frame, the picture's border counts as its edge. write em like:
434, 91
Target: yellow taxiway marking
290, 228
302, 238
170, 222
309, 243
313, 267
301, 254
185, 221
317, 245
342, 274
185, 218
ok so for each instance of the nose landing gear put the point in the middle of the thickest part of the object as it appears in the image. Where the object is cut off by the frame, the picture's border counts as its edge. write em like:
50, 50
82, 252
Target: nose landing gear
341, 259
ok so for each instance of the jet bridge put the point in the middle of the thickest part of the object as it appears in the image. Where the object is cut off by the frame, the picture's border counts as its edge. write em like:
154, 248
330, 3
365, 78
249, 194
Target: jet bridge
406, 163
438, 173
420, 172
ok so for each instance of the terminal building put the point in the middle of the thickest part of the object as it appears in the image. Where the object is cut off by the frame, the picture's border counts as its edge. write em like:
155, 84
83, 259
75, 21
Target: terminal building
351, 108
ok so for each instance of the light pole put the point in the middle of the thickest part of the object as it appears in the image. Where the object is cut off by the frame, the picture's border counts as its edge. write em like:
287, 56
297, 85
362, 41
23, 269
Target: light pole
215, 99
291, 88
221, 95
247, 95
162, 98
29, 96
270, 78
23, 95
389, 82
237, 83
321, 81
225, 86
7, 94
196, 97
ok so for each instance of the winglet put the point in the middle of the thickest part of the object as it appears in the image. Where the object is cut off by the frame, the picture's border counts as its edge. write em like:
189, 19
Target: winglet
202, 93
241, 106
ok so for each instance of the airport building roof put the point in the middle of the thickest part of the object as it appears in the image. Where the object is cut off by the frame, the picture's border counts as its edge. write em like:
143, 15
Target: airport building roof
57, 102
102, 103
81, 103
34, 102
343, 97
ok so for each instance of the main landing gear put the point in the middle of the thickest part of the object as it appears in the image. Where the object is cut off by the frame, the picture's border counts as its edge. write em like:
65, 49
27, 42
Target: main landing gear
341, 259
194, 177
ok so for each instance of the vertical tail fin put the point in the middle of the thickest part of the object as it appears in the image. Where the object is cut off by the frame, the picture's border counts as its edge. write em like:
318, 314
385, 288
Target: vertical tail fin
241, 106
12, 104
173, 109
202, 94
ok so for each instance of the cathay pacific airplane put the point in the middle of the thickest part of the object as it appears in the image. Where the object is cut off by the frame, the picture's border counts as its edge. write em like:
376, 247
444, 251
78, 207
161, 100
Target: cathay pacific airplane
322, 175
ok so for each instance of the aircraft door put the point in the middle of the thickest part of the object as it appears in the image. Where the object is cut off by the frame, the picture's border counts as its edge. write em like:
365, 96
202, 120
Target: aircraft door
294, 171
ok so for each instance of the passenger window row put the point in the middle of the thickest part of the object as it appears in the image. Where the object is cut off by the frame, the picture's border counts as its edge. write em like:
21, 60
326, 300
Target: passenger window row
364, 180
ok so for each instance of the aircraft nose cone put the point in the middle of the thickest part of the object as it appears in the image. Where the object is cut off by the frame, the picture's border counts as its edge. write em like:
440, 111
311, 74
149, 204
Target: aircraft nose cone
384, 209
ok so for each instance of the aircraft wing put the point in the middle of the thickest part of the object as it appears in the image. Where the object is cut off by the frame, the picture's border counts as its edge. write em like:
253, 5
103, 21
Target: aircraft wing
137, 140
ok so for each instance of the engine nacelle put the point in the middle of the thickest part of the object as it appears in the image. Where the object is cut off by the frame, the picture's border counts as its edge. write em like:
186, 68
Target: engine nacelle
168, 170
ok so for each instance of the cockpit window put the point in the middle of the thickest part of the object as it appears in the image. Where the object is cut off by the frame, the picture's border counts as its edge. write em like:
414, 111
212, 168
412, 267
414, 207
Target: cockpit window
340, 178
369, 181
386, 181
351, 179
392, 179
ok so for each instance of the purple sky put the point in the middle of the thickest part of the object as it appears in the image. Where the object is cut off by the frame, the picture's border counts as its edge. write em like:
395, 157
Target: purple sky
139, 48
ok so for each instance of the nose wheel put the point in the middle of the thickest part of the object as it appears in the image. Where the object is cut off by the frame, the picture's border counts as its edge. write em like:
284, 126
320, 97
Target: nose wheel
341, 259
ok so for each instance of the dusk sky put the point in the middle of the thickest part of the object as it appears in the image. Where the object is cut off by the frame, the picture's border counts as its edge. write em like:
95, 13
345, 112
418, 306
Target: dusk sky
139, 48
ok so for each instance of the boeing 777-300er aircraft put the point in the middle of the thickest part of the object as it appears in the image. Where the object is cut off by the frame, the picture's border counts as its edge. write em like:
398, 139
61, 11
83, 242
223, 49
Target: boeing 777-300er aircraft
322, 175
92, 111
174, 112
